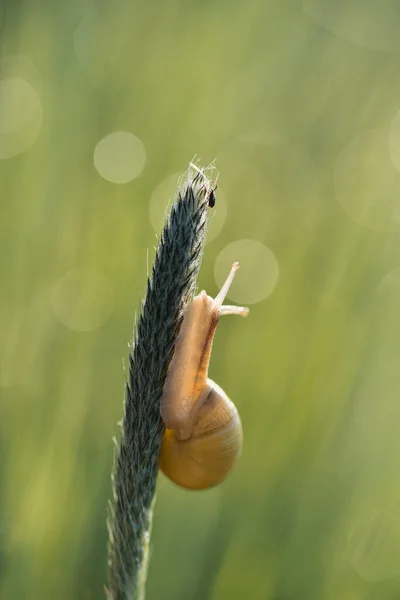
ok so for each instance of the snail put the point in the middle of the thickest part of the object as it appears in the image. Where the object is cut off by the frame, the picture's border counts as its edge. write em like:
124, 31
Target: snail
203, 435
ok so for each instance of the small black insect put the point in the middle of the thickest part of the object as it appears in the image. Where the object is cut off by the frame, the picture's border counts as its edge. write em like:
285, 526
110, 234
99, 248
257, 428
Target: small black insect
209, 192
211, 198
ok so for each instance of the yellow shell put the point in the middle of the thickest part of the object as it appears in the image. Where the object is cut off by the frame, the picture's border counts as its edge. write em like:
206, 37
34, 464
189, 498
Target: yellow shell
205, 459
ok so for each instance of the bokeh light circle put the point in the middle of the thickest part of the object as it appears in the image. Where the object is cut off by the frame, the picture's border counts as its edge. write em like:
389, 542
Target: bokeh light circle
367, 185
375, 544
164, 195
258, 274
21, 65
20, 116
119, 157
82, 299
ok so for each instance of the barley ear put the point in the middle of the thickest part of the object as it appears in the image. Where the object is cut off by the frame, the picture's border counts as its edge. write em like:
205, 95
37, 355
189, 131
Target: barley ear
169, 288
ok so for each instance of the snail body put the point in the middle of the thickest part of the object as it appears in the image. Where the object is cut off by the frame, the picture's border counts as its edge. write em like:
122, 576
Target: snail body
203, 436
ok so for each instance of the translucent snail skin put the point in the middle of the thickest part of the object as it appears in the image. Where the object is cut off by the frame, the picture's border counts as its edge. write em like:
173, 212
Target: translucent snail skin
203, 436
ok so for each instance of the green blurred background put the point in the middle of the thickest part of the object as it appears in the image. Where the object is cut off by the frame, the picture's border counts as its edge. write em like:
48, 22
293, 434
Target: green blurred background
298, 102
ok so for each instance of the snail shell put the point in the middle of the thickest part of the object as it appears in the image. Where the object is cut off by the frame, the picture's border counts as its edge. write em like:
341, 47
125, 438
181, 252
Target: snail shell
203, 436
